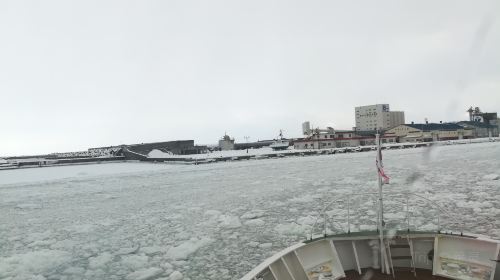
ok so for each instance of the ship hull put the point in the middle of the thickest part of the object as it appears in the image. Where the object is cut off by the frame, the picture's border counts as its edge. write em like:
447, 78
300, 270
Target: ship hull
425, 255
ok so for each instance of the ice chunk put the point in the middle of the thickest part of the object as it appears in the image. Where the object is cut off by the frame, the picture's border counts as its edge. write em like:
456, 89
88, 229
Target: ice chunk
36, 262
152, 250
29, 206
81, 228
291, 229
145, 274
135, 261
309, 220
176, 275
100, 261
185, 249
367, 227
394, 216
255, 223
127, 250
266, 245
228, 221
303, 199
253, 244
253, 214
212, 213
491, 177
474, 204
73, 270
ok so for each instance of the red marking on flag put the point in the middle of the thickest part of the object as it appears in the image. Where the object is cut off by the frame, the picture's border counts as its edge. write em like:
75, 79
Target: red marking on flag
380, 169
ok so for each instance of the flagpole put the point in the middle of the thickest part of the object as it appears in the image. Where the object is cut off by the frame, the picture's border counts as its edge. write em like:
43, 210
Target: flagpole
380, 205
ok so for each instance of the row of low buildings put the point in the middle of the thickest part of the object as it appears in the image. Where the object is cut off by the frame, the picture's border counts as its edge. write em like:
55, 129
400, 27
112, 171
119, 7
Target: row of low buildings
392, 124
443, 131
424, 132
339, 139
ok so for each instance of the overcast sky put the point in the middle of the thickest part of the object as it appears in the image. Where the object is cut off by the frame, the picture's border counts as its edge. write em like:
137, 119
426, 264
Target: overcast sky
80, 74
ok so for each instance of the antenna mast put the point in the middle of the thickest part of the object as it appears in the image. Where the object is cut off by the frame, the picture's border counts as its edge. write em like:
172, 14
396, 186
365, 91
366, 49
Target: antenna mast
383, 254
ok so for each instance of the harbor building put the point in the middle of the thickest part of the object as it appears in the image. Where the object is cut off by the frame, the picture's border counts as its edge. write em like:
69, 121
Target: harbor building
484, 124
396, 118
226, 143
476, 115
330, 138
480, 129
377, 117
178, 147
429, 132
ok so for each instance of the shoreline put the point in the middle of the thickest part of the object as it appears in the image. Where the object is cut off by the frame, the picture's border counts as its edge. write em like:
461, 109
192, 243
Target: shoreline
223, 158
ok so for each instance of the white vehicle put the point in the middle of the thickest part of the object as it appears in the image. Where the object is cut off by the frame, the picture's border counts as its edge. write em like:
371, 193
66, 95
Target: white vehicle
260, 157
356, 149
396, 248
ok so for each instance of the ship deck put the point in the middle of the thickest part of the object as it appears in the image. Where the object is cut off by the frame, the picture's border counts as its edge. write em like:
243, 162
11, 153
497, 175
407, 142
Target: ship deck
405, 274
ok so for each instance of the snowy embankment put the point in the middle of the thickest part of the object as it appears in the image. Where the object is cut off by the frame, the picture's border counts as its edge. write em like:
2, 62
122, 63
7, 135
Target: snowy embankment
146, 221
219, 154
157, 154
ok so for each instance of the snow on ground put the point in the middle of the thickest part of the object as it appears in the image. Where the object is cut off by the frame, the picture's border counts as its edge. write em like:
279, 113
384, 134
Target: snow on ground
219, 154
74, 171
218, 221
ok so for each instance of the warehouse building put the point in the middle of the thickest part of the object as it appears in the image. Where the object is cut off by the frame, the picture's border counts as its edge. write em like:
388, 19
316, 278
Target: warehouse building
429, 132
480, 129
178, 147
329, 138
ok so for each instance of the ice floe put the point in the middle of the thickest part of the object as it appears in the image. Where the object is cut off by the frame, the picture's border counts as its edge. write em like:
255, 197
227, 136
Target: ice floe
229, 221
255, 223
176, 275
156, 221
100, 261
145, 274
30, 264
491, 177
183, 250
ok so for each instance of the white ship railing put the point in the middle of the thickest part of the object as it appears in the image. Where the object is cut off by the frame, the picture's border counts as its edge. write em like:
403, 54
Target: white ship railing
410, 201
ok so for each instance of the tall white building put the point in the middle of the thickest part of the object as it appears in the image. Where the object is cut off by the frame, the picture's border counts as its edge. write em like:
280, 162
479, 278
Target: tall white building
373, 117
396, 118
306, 128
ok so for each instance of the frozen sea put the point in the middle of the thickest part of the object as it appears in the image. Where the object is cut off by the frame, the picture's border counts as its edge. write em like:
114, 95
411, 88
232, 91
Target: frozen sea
218, 221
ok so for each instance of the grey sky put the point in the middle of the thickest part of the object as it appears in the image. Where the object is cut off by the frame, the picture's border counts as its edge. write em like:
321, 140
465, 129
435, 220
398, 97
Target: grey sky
79, 74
